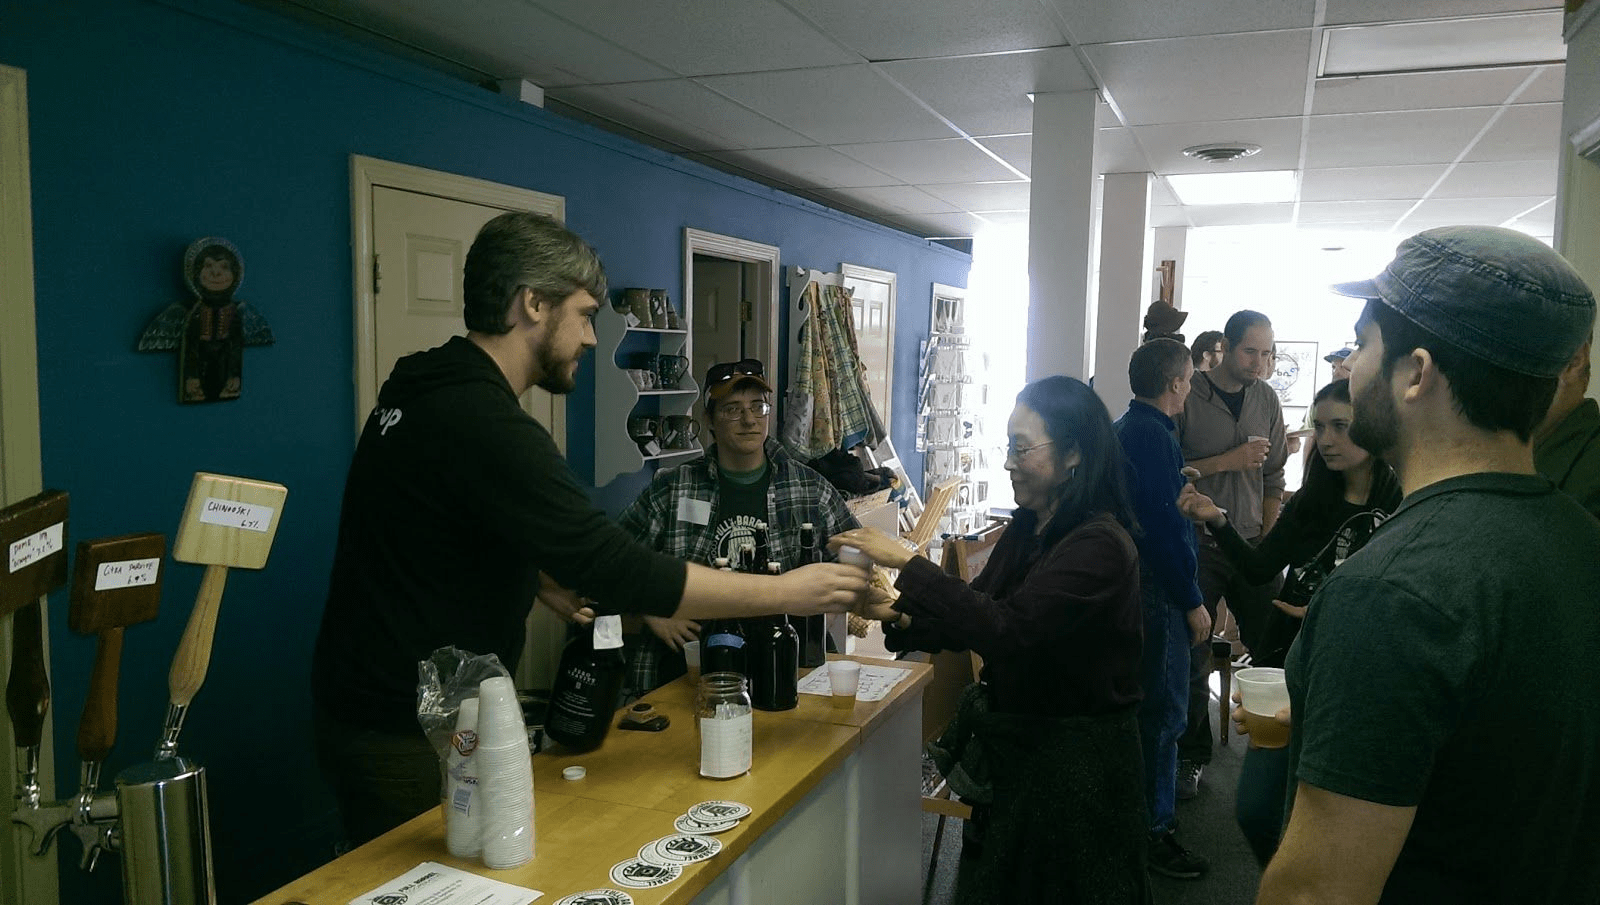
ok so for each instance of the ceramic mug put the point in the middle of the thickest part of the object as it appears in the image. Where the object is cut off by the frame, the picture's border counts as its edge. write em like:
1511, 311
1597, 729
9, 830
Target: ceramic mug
645, 431
679, 431
638, 304
670, 369
642, 379
659, 310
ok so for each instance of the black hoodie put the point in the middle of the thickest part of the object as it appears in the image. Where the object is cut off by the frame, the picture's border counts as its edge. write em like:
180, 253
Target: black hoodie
455, 500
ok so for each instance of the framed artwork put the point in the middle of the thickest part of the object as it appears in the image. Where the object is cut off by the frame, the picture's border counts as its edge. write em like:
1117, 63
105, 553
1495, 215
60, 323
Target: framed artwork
1294, 374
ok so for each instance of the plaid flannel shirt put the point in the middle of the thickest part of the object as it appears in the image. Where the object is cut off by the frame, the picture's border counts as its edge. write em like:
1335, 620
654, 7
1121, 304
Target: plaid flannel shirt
795, 494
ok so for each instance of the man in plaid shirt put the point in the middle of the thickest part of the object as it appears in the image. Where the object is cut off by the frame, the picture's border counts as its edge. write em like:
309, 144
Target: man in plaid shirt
709, 507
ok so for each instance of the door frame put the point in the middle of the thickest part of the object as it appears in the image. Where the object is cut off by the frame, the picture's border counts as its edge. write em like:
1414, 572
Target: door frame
764, 307
23, 878
367, 173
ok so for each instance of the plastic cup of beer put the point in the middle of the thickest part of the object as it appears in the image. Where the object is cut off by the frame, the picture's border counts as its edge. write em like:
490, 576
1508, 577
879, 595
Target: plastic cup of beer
844, 677
1262, 693
691, 655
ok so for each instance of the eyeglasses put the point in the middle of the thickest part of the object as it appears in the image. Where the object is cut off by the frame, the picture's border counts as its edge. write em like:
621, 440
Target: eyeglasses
745, 367
733, 411
1014, 453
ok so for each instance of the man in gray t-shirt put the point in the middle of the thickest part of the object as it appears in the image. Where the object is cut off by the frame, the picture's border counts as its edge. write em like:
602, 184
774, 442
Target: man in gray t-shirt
1446, 740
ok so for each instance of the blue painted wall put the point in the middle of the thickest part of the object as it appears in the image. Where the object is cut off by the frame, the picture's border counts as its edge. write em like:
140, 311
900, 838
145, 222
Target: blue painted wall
153, 123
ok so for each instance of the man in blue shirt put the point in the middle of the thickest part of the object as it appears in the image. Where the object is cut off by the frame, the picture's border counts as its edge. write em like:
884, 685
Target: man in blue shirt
1174, 619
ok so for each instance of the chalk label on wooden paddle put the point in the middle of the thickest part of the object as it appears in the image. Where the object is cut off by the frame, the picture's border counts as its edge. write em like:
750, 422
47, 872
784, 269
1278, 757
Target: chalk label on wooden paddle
26, 551
129, 573
237, 515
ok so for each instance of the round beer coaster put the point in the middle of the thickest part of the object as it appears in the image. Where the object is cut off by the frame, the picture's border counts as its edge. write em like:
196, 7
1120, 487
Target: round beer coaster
719, 811
687, 824
686, 848
636, 873
597, 897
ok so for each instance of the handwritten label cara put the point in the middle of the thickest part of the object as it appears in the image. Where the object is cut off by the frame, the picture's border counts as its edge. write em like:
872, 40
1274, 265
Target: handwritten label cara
128, 573
237, 515
26, 551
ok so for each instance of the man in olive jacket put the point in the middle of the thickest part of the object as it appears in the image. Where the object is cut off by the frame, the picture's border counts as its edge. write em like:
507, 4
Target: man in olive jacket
1566, 445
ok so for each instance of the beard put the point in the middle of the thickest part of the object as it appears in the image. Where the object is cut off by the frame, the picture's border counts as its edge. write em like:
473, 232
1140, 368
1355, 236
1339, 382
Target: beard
1375, 426
557, 376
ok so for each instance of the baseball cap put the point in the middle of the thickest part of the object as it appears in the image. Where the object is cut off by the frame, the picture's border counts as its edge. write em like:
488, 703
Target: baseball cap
1336, 356
725, 377
1498, 294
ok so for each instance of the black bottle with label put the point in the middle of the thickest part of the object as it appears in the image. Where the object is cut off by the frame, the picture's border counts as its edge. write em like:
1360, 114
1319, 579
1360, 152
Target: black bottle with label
584, 698
774, 661
813, 630
722, 641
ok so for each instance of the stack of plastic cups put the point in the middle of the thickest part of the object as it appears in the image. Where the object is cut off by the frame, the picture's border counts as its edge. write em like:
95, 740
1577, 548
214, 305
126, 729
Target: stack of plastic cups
505, 776
463, 804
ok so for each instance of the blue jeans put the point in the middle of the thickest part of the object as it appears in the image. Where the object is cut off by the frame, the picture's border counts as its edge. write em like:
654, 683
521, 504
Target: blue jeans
1164, 675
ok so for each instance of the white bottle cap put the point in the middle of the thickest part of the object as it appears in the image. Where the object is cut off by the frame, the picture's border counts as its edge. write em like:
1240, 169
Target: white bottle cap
574, 772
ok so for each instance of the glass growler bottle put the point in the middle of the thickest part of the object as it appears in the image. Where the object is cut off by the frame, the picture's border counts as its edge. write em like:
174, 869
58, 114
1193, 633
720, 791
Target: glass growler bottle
584, 697
774, 660
722, 648
813, 630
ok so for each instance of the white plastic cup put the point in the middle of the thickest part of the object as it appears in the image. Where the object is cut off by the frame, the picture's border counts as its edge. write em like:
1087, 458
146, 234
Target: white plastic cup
691, 655
844, 677
852, 556
500, 720
463, 804
1262, 693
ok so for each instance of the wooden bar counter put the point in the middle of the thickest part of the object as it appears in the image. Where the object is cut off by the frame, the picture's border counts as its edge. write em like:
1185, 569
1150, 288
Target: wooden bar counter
835, 793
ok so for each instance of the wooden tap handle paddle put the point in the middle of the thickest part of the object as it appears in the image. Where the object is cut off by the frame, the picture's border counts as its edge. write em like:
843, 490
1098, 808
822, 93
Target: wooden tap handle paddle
97, 731
190, 663
28, 688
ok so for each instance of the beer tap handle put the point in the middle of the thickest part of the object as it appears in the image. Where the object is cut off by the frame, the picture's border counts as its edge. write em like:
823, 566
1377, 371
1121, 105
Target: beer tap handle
193, 657
28, 693
97, 731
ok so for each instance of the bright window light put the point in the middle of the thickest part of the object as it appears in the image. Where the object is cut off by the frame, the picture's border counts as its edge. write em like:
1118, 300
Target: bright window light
1234, 188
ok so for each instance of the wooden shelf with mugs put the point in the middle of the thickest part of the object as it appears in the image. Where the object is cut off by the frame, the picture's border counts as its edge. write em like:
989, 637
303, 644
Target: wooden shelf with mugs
644, 395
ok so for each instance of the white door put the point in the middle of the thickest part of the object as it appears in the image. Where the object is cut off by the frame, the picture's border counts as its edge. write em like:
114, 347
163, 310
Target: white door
421, 243
872, 303
718, 313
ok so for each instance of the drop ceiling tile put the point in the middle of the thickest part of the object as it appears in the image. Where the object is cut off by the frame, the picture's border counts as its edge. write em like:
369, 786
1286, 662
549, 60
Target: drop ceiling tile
1369, 183
1279, 140
682, 111
1007, 219
1097, 22
1417, 90
1347, 12
904, 199
931, 28
984, 196
503, 38
840, 105
1549, 88
1016, 150
1501, 178
922, 162
1474, 211
1523, 132
812, 167
1353, 211
1240, 214
1443, 44
1200, 79
1393, 139
1116, 151
987, 95
749, 35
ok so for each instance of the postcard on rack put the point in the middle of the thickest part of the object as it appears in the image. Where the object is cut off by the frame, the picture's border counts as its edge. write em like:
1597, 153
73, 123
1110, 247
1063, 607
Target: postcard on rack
432, 883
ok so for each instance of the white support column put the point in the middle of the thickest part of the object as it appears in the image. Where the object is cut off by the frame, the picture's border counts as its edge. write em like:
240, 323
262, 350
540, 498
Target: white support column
1126, 268
1172, 244
1061, 235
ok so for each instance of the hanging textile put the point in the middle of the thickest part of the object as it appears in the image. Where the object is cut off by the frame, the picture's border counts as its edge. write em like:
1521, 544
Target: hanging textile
828, 407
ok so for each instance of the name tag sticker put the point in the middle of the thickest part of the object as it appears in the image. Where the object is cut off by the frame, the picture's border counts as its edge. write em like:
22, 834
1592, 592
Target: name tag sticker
129, 573
26, 551
237, 515
695, 512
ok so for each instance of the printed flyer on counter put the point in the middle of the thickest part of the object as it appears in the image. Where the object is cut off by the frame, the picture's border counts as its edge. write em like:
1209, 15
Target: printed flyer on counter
432, 883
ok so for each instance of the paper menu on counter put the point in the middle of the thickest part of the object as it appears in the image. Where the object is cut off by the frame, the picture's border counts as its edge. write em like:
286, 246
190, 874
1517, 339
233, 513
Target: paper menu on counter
876, 682
432, 883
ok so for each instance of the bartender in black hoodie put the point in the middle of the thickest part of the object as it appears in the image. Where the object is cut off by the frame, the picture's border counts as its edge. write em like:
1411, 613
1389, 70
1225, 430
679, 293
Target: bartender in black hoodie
459, 511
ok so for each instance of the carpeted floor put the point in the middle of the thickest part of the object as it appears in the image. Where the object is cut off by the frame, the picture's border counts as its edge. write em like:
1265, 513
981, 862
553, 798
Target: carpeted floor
1206, 826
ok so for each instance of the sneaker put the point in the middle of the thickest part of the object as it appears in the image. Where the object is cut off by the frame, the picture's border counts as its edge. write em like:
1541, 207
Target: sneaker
1241, 661
1189, 778
1169, 858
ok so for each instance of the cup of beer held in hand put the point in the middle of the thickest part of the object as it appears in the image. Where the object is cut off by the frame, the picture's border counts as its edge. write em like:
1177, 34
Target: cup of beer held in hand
1262, 693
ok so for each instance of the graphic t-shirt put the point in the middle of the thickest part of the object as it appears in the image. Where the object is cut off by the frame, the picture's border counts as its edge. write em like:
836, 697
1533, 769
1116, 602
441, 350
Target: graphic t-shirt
742, 502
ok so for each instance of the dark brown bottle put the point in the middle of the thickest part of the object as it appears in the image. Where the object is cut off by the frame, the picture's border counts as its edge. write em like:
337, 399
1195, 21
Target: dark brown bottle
774, 659
812, 630
585, 694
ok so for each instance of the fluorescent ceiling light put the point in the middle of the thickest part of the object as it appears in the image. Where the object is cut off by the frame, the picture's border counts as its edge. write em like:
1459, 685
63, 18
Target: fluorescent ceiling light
1234, 188
1449, 44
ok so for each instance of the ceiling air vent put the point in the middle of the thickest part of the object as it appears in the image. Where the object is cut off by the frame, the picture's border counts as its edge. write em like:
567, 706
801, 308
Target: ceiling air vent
1222, 152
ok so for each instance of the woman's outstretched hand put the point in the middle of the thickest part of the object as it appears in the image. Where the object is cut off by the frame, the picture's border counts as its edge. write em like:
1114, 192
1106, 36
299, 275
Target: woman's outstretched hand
884, 550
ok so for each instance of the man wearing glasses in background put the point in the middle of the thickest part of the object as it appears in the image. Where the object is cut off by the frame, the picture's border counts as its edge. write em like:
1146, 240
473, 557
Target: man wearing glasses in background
708, 507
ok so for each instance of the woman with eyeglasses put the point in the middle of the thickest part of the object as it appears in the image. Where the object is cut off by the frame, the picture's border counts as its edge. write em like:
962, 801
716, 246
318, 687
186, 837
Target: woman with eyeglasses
1046, 745
1347, 494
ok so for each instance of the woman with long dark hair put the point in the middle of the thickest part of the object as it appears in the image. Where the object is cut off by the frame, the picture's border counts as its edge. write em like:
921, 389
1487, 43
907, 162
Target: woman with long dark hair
1347, 494
1047, 742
